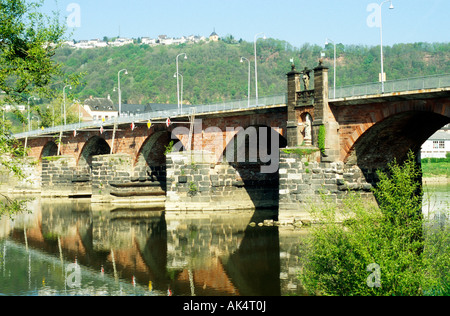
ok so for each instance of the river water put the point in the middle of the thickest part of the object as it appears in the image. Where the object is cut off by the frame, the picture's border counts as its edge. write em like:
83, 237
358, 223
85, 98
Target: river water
72, 247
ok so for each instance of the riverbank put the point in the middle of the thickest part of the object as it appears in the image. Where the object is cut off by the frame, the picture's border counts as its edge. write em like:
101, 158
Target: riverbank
435, 180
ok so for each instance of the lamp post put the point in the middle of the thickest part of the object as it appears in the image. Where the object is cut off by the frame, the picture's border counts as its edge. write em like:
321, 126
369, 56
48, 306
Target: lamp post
178, 82
64, 97
334, 82
256, 66
175, 75
381, 40
248, 93
28, 116
118, 89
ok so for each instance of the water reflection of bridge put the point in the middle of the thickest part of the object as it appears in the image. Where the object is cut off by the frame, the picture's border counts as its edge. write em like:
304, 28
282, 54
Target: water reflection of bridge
195, 253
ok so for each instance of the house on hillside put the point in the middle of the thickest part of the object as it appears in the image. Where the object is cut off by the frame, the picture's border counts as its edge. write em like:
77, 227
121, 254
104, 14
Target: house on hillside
437, 146
214, 37
101, 108
121, 42
80, 111
148, 41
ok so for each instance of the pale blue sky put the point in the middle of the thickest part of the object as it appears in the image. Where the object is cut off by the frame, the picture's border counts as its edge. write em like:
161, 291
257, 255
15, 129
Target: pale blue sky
295, 21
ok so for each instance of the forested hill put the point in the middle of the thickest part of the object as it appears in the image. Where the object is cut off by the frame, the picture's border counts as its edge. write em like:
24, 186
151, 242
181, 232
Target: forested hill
213, 71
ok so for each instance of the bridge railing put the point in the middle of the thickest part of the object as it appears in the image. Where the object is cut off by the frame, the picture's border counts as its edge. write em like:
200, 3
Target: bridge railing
410, 84
155, 115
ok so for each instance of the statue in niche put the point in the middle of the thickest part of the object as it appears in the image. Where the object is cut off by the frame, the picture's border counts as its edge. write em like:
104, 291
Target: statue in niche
306, 77
308, 129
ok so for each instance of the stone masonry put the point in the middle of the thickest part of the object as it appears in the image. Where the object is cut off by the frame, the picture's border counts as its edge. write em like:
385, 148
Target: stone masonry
305, 182
194, 183
115, 180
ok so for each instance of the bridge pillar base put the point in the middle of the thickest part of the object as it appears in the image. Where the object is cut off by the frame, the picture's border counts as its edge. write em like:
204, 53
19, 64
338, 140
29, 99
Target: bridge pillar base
205, 185
305, 183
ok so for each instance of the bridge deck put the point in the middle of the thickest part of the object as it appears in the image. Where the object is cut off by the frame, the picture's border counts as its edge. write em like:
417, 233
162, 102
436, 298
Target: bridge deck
426, 87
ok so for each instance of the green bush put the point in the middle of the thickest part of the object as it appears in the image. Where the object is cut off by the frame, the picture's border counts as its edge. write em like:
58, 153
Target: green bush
339, 256
321, 139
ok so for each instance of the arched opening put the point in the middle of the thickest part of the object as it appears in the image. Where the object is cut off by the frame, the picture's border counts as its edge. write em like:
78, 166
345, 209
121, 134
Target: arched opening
50, 149
392, 138
151, 160
93, 147
254, 154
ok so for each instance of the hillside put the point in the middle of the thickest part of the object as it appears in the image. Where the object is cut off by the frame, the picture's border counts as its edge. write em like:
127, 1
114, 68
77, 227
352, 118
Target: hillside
213, 72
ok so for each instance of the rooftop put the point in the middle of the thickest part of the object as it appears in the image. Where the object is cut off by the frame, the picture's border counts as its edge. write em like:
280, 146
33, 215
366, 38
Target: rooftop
440, 135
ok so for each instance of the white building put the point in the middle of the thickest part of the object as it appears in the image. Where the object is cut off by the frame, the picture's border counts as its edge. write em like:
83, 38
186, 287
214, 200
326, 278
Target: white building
121, 42
97, 43
100, 109
437, 146
148, 41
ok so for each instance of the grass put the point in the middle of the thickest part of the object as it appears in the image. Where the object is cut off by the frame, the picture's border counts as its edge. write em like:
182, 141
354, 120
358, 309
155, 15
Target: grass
435, 169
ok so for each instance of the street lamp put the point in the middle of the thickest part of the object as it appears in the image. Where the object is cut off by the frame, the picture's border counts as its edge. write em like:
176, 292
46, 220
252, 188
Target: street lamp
178, 82
334, 83
118, 89
381, 39
64, 96
248, 94
175, 75
28, 116
256, 66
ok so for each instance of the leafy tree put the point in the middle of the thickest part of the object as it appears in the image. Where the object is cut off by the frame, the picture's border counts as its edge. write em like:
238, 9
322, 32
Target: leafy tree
213, 72
340, 258
28, 42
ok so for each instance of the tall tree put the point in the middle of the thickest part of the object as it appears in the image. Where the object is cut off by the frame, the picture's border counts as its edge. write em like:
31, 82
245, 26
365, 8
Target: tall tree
28, 41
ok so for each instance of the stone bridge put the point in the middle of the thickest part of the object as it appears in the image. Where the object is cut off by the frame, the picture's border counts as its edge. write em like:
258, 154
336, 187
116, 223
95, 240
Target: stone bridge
279, 153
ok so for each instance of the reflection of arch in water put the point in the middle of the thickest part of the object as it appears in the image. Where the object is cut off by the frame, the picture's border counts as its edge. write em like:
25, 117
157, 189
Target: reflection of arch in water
93, 147
50, 149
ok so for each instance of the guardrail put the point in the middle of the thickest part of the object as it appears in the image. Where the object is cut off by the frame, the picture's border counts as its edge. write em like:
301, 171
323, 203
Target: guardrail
410, 84
157, 115
429, 82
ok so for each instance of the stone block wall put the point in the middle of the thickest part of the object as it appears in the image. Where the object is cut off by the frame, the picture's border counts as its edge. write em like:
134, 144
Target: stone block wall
194, 183
114, 179
58, 177
303, 183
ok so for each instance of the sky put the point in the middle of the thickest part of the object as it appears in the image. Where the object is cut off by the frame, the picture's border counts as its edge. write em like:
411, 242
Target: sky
295, 21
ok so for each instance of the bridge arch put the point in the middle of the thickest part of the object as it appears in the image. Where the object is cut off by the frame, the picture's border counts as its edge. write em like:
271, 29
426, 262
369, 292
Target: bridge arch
253, 153
93, 147
392, 137
151, 158
49, 149
255, 144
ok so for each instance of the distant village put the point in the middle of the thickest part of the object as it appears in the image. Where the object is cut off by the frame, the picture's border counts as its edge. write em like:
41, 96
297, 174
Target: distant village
161, 40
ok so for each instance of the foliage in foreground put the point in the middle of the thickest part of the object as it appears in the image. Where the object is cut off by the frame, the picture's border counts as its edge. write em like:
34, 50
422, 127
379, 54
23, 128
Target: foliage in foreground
28, 42
381, 250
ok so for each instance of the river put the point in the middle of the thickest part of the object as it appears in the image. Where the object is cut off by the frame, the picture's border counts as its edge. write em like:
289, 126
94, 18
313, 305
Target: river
73, 247
76, 248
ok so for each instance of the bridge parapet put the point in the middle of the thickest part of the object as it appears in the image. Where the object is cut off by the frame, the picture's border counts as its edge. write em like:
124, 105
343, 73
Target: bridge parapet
392, 86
